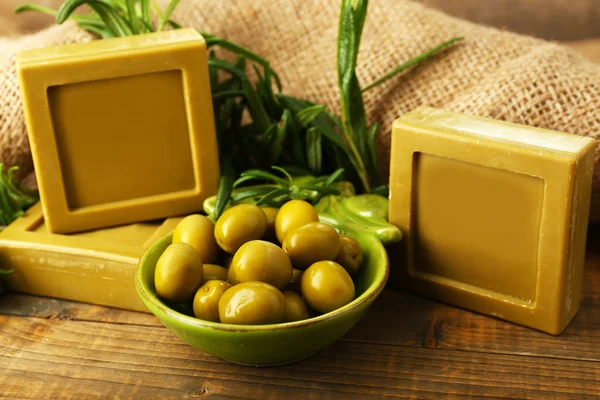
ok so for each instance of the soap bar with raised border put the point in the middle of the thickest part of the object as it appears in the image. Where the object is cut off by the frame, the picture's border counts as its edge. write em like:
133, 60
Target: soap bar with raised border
494, 214
95, 267
121, 130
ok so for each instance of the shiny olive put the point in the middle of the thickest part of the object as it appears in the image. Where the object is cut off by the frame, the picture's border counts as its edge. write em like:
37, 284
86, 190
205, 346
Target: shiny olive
295, 307
198, 231
271, 214
238, 225
326, 286
310, 243
178, 272
252, 303
206, 300
214, 272
262, 261
351, 255
292, 215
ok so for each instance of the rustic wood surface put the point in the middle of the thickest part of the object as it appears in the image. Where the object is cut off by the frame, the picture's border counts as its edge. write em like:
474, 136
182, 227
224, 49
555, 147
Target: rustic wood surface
406, 347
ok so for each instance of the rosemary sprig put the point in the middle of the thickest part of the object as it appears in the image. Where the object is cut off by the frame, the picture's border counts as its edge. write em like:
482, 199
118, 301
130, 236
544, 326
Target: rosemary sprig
14, 198
281, 189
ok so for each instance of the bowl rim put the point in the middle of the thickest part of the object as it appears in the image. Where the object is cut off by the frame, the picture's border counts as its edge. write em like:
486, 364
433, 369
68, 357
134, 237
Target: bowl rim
147, 295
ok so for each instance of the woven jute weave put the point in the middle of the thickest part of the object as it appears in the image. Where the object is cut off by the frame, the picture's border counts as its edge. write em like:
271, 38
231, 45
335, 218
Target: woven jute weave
492, 73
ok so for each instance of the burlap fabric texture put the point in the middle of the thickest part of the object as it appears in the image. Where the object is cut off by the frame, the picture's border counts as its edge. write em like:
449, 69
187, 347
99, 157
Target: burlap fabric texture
492, 73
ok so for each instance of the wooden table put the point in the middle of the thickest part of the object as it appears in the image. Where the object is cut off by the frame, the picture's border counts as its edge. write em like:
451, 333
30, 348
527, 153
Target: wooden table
406, 346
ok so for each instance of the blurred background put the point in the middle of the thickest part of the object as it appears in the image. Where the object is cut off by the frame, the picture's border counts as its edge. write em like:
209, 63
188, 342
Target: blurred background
575, 23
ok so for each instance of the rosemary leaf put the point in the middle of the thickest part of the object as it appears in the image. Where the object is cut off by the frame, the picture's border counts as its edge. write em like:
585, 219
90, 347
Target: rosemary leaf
383, 190
333, 177
270, 197
295, 170
284, 172
133, 17
259, 174
226, 94
259, 115
174, 24
115, 22
225, 185
249, 193
88, 19
320, 189
360, 14
146, 16
313, 149
212, 40
414, 61
373, 155
147, 25
101, 31
167, 14
308, 115
358, 118
226, 66
296, 105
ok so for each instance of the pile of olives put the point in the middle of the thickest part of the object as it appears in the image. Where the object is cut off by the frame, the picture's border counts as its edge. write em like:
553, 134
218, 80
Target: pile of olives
258, 281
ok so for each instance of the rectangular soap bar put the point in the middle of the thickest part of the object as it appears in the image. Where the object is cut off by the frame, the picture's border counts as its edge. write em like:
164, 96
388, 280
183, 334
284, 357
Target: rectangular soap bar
494, 214
95, 267
121, 130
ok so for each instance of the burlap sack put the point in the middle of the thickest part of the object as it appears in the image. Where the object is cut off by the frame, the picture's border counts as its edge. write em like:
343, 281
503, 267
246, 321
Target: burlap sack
548, 19
493, 73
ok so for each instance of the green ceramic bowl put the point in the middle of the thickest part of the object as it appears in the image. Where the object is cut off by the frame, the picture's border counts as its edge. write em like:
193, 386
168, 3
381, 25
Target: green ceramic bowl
262, 345
266, 344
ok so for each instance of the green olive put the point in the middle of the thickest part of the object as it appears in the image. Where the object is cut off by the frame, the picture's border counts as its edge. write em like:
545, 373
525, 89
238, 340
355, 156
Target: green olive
214, 272
326, 286
310, 243
238, 225
262, 261
178, 272
351, 255
295, 307
271, 214
252, 303
198, 231
292, 215
206, 300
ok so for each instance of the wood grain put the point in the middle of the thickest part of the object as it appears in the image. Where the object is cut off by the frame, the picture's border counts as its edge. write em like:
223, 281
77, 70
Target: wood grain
67, 359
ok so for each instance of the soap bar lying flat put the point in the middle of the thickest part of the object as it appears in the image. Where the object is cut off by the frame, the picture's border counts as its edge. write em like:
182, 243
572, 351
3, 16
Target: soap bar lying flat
121, 130
495, 215
95, 267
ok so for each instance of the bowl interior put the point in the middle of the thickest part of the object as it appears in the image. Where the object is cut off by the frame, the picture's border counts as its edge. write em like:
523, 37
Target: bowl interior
368, 283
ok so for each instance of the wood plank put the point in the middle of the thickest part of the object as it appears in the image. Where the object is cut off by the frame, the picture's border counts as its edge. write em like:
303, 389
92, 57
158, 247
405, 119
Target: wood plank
396, 318
43, 307
403, 319
51, 359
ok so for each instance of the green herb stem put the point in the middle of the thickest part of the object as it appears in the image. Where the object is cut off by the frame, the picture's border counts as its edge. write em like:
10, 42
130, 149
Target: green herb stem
412, 62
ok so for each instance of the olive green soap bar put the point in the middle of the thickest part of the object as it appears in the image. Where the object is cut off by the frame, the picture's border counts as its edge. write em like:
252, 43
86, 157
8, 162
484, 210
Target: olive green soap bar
121, 129
95, 267
494, 214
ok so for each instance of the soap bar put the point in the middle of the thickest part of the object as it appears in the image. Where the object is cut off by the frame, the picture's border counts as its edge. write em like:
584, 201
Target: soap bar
95, 267
495, 215
121, 130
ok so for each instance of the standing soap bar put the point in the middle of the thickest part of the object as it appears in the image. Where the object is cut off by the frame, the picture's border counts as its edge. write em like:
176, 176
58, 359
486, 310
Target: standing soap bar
121, 130
495, 215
